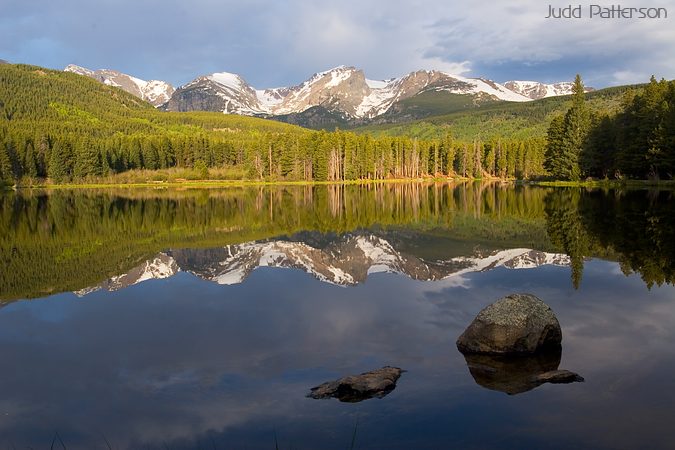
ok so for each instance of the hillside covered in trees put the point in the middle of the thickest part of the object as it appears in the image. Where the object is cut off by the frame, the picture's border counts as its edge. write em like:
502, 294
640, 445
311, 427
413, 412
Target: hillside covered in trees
504, 120
637, 141
65, 127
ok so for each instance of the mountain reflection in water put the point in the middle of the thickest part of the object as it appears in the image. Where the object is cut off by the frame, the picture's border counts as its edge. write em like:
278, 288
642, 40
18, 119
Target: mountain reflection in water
344, 261
180, 361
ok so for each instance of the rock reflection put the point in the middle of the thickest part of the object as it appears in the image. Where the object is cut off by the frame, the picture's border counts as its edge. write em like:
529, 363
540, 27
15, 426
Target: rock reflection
517, 374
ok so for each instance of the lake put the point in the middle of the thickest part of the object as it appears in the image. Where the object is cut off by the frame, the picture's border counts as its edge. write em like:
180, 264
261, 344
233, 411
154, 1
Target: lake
201, 318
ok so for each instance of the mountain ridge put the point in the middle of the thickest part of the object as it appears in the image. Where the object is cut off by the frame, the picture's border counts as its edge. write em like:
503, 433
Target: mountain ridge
342, 93
155, 92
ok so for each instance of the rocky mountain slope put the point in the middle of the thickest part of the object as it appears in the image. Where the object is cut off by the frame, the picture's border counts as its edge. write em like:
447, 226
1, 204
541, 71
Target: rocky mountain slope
536, 90
345, 261
155, 92
336, 97
345, 90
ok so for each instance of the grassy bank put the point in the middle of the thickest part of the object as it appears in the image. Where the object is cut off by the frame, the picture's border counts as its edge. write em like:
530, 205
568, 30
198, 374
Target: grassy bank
609, 184
234, 177
190, 178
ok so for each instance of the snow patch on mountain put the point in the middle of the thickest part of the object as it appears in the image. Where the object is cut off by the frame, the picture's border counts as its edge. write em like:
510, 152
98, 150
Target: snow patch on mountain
535, 90
79, 70
269, 98
157, 92
227, 79
491, 88
377, 84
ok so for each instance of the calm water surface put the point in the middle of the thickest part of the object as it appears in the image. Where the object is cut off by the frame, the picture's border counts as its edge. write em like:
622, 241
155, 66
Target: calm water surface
156, 319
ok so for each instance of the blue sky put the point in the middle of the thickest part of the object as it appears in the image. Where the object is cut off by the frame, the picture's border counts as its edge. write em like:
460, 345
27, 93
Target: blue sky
277, 43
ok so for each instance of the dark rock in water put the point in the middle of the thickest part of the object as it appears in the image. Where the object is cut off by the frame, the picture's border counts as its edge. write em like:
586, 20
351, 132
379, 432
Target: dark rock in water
515, 374
355, 388
559, 376
516, 324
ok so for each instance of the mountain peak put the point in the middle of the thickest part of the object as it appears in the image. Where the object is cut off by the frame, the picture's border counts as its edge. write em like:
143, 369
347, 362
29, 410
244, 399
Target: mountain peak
228, 79
342, 90
154, 91
78, 70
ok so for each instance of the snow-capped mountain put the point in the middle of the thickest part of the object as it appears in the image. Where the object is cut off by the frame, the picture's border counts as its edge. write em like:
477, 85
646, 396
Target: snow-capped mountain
536, 90
155, 92
161, 266
345, 261
224, 92
345, 90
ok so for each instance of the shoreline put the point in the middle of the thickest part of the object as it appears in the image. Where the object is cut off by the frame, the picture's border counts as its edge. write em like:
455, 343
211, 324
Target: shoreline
211, 184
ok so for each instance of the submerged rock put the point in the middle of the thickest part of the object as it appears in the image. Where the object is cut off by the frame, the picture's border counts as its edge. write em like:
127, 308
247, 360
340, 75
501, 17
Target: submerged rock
516, 324
355, 388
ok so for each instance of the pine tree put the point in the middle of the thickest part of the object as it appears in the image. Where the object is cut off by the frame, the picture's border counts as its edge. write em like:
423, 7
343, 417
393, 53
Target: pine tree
87, 161
489, 162
577, 124
501, 160
60, 162
6, 175
567, 140
555, 137
29, 167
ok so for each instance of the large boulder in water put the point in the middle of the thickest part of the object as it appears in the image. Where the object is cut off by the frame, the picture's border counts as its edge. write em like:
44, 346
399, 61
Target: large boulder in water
516, 324
355, 388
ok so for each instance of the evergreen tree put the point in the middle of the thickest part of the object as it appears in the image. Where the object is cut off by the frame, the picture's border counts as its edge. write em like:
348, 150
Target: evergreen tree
29, 164
60, 162
6, 175
566, 139
87, 161
555, 137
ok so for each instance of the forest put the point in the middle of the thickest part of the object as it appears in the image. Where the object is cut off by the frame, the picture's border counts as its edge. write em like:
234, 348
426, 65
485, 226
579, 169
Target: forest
64, 127
636, 142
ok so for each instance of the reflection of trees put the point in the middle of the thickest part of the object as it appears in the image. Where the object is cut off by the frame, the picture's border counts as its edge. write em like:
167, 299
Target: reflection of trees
636, 227
639, 226
566, 230
64, 240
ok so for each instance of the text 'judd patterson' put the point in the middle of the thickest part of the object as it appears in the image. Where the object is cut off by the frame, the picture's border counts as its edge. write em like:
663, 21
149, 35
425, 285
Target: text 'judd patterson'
605, 12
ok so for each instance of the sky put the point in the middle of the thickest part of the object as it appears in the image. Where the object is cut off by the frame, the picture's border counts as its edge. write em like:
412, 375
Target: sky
274, 43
